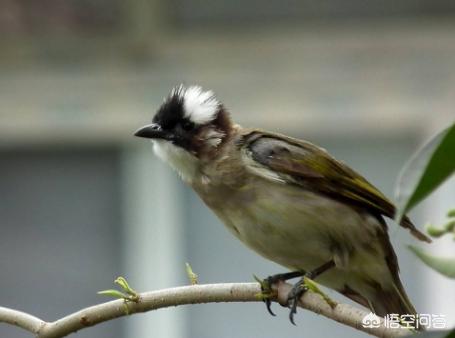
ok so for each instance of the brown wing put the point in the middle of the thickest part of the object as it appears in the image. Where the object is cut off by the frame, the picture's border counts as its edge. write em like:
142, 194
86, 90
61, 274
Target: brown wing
302, 163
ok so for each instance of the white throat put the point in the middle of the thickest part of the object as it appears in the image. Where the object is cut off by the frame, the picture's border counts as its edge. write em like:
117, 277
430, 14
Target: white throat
180, 160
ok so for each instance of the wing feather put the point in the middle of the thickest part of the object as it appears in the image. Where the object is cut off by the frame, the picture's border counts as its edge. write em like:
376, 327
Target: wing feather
301, 163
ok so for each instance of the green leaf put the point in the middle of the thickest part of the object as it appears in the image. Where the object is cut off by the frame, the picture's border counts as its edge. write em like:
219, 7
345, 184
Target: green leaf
451, 213
434, 231
121, 281
191, 275
426, 170
443, 265
113, 293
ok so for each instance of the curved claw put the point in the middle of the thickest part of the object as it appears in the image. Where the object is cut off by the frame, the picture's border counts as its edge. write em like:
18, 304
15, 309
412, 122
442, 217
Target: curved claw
266, 285
294, 296
266, 292
293, 311
268, 304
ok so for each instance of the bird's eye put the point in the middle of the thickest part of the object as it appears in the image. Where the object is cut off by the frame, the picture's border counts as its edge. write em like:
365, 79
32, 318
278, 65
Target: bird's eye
187, 125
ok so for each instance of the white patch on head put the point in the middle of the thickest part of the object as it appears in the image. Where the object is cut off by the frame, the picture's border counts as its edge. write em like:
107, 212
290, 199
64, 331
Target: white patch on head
179, 159
199, 106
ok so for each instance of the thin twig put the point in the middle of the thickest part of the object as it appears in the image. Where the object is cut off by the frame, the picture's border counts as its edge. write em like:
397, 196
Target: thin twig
193, 294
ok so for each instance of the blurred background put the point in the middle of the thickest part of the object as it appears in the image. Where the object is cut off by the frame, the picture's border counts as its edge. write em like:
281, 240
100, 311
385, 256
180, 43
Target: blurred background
82, 201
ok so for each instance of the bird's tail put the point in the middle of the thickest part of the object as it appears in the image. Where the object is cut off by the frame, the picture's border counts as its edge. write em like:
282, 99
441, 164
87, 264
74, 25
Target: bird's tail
395, 301
386, 301
392, 301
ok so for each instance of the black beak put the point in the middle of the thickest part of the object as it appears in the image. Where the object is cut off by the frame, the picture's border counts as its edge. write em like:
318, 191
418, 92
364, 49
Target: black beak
153, 130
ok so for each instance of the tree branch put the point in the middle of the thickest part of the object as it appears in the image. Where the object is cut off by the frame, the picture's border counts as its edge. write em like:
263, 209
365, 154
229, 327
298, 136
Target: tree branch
21, 319
193, 294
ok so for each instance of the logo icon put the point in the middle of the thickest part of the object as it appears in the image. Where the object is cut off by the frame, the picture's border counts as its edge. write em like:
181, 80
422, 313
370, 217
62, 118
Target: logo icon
396, 321
371, 321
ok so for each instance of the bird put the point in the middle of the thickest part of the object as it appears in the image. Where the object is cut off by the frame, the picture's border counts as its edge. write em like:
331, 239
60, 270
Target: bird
287, 199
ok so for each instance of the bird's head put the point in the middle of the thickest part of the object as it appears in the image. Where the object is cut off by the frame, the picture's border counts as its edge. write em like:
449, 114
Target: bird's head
190, 126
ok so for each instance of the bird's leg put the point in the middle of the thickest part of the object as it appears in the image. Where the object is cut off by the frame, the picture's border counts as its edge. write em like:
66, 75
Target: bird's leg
300, 288
266, 285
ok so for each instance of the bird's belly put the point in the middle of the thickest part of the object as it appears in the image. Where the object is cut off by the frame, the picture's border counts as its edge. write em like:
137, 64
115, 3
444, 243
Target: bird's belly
293, 227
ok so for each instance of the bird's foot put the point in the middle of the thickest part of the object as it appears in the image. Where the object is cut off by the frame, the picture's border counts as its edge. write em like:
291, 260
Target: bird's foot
297, 291
267, 291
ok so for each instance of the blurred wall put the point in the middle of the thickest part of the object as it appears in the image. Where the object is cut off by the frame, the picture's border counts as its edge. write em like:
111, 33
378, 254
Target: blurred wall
60, 227
82, 201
